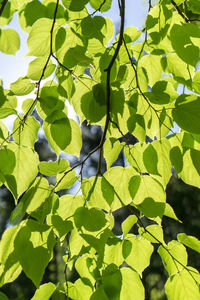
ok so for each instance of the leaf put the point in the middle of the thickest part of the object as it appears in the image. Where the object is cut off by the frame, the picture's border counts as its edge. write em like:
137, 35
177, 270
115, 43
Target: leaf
73, 5
131, 285
22, 86
100, 194
104, 6
35, 71
9, 41
128, 224
44, 292
31, 200
174, 257
149, 197
169, 212
152, 233
81, 289
52, 168
152, 66
139, 252
39, 38
24, 168
3, 296
112, 281
66, 181
10, 267
91, 219
120, 179
183, 39
26, 134
182, 286
186, 113
112, 148
32, 241
70, 140
189, 241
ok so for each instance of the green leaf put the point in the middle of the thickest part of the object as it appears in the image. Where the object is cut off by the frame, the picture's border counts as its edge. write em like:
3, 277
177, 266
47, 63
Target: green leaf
152, 66
128, 224
121, 180
69, 140
66, 181
184, 39
26, 134
73, 5
3, 296
149, 197
32, 241
30, 13
52, 168
35, 71
91, 219
10, 267
169, 212
196, 82
8, 103
137, 252
152, 233
76, 56
186, 113
101, 5
113, 252
9, 41
39, 38
189, 241
180, 70
174, 257
112, 281
131, 285
80, 290
100, 194
44, 292
22, 86
32, 199
112, 149
182, 286
24, 168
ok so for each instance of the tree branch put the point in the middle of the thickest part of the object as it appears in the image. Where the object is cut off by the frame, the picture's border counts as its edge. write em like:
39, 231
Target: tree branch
108, 88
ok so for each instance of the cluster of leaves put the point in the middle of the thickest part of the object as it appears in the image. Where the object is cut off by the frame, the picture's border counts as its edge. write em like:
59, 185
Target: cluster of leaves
126, 86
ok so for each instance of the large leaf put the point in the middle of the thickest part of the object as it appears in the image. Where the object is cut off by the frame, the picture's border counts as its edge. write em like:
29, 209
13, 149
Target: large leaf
187, 113
182, 286
34, 248
23, 168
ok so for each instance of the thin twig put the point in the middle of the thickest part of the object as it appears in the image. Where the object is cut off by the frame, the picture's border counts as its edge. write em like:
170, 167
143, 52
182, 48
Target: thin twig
108, 88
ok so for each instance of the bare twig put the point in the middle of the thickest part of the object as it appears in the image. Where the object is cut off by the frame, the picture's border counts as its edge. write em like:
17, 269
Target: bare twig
108, 88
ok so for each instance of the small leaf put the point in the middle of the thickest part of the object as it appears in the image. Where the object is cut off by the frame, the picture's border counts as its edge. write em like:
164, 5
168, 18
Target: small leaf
9, 41
128, 224
44, 292
112, 147
189, 241
22, 86
52, 168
